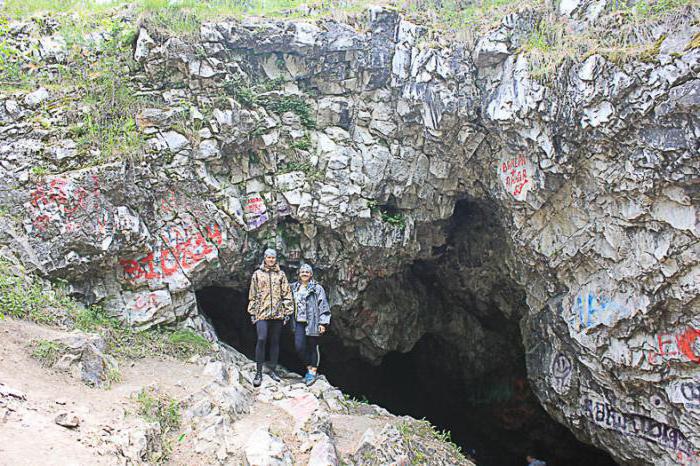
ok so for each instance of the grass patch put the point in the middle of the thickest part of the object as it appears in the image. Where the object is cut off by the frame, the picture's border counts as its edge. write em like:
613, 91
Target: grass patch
263, 95
22, 8
113, 375
26, 297
388, 214
351, 402
126, 343
189, 342
93, 82
47, 352
160, 408
627, 32
423, 429
303, 143
23, 297
154, 406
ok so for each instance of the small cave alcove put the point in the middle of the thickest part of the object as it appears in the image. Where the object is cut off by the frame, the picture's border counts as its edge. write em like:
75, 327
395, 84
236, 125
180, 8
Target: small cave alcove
226, 309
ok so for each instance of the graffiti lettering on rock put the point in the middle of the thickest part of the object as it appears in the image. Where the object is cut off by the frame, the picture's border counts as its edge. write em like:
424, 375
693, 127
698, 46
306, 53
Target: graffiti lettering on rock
70, 207
685, 392
691, 391
255, 211
682, 346
141, 307
592, 309
516, 175
561, 370
177, 248
603, 414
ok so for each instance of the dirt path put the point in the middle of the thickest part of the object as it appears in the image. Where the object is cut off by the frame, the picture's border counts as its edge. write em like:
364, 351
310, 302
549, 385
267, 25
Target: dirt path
31, 396
36, 438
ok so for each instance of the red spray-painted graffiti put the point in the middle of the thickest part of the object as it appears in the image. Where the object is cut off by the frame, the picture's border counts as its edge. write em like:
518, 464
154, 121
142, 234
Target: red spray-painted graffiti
62, 201
178, 248
255, 211
516, 175
684, 346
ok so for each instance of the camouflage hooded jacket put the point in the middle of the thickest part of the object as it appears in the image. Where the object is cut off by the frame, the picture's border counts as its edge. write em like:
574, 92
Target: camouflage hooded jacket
270, 296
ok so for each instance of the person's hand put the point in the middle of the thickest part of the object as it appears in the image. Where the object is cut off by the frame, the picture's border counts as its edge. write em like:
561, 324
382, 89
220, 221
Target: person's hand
253, 320
285, 320
322, 329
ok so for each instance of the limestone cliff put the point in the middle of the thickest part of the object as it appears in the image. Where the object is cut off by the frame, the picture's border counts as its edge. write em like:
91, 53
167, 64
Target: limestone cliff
349, 147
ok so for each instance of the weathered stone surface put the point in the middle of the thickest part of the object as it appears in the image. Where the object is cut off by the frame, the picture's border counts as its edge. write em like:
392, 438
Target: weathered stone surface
592, 178
83, 355
264, 449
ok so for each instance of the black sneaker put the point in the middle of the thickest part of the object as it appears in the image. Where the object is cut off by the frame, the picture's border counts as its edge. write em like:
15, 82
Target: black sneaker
258, 379
274, 376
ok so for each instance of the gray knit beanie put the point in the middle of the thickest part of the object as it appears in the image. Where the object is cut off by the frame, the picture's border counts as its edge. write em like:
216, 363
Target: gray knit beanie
306, 268
270, 252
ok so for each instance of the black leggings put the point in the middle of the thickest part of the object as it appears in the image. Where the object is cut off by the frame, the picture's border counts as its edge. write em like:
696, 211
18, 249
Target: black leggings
268, 329
307, 347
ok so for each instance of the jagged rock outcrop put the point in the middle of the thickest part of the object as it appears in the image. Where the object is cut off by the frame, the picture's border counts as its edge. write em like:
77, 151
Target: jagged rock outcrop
350, 149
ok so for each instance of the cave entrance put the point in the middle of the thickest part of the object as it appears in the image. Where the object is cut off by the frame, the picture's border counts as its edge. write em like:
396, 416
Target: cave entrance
472, 381
226, 309
495, 418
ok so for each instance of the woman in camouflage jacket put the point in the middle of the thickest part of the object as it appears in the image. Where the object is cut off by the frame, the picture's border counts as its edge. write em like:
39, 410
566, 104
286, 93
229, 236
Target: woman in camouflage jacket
270, 304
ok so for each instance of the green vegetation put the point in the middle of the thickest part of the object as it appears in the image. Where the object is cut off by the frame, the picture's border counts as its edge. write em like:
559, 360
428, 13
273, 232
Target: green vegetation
95, 73
263, 95
39, 170
302, 143
22, 8
396, 219
462, 17
388, 214
47, 352
189, 342
627, 33
296, 167
9, 61
351, 402
25, 297
108, 125
410, 430
113, 375
160, 408
125, 342
694, 42
311, 173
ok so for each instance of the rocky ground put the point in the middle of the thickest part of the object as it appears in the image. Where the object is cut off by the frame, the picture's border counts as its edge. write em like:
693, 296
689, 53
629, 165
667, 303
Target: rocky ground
54, 418
565, 136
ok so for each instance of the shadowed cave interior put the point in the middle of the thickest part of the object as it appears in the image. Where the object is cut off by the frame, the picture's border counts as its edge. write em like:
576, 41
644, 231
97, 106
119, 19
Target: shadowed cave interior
488, 407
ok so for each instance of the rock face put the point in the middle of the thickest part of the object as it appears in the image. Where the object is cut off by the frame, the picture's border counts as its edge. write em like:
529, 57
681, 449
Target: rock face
350, 150
83, 355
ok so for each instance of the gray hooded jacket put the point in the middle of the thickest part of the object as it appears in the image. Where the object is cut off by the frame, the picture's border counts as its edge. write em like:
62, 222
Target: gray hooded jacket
314, 310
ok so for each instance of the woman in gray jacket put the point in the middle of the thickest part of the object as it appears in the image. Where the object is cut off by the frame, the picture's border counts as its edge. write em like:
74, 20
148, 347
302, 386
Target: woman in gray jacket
311, 320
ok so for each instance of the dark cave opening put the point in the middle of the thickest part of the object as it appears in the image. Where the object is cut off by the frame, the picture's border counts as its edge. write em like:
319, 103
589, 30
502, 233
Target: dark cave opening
496, 420
475, 386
